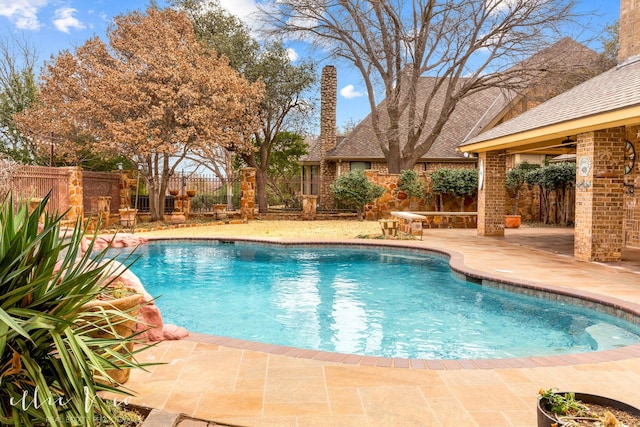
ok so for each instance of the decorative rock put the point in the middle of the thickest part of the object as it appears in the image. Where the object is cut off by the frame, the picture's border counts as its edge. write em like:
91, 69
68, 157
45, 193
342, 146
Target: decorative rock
120, 240
150, 323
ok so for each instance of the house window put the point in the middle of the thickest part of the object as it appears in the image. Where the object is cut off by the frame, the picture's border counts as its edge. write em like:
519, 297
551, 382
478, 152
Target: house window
310, 179
360, 166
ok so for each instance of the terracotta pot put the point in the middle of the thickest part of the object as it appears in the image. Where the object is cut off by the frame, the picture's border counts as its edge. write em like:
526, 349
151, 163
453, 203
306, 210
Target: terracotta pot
191, 193
546, 420
512, 221
119, 326
128, 217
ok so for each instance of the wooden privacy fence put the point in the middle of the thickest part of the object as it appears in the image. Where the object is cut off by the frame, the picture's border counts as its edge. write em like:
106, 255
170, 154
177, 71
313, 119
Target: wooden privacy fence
37, 181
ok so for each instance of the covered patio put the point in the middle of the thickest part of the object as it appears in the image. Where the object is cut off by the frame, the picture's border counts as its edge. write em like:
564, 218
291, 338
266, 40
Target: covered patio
599, 121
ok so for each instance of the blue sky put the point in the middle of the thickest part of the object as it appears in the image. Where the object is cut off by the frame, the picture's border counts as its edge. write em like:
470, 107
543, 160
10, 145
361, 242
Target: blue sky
55, 25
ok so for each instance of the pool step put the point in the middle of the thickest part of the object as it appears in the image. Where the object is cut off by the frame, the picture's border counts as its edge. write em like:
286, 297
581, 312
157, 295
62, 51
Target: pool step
609, 336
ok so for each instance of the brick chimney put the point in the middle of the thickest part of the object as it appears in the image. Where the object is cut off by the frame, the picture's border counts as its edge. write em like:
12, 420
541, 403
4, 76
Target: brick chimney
629, 30
328, 101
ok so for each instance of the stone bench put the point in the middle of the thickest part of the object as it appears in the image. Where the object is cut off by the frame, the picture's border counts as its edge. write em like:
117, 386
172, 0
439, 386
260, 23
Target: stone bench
409, 223
414, 222
437, 219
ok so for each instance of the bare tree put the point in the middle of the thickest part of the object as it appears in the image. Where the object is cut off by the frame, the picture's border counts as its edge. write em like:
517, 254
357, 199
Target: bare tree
18, 90
285, 105
464, 45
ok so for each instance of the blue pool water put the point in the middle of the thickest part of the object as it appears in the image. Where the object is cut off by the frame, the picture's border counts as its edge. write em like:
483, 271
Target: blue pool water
370, 301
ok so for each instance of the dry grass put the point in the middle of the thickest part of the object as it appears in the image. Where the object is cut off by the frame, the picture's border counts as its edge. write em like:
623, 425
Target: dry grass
338, 229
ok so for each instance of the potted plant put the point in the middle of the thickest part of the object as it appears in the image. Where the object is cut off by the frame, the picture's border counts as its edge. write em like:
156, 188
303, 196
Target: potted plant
50, 363
558, 409
128, 216
117, 308
515, 179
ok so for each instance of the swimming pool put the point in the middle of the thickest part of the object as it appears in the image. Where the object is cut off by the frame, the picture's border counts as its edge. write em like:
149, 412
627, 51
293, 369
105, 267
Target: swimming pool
374, 301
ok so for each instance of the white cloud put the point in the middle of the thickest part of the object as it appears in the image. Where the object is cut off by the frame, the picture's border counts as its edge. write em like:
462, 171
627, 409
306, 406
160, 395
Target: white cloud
64, 20
349, 92
23, 13
501, 5
293, 55
241, 8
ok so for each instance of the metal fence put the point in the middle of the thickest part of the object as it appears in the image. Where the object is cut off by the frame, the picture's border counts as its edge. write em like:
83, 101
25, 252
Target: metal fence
206, 191
38, 181
286, 196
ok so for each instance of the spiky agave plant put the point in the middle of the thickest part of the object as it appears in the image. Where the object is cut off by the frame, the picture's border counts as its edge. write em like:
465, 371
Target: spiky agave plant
51, 365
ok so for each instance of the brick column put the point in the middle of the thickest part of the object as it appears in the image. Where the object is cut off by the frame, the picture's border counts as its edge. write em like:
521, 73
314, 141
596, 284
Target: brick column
491, 197
248, 198
599, 234
76, 202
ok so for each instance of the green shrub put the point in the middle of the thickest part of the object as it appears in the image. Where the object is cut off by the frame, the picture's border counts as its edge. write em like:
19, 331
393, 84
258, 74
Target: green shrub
47, 347
355, 190
459, 183
410, 184
558, 177
515, 179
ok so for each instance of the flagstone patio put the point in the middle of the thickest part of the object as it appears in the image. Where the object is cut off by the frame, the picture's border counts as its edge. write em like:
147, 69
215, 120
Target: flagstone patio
239, 383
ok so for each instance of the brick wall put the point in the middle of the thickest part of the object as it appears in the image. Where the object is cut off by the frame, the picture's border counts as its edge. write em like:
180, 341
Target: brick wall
632, 193
629, 37
600, 195
491, 197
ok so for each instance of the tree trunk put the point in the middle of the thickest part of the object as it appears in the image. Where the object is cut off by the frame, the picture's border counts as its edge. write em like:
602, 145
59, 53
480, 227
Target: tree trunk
154, 202
516, 197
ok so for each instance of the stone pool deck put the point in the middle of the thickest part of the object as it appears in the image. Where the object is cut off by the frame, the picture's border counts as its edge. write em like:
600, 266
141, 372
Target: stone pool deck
272, 386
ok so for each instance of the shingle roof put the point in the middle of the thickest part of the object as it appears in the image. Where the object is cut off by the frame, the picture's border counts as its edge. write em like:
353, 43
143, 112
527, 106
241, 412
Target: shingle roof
612, 90
464, 121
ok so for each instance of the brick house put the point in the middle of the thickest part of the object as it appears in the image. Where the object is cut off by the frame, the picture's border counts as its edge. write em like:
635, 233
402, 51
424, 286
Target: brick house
331, 155
602, 116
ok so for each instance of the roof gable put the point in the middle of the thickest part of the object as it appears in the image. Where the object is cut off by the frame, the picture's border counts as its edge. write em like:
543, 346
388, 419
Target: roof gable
616, 89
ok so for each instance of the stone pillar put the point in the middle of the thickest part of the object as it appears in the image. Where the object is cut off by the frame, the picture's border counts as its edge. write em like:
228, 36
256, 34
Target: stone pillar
248, 198
328, 105
599, 234
309, 207
104, 210
125, 190
491, 193
76, 206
